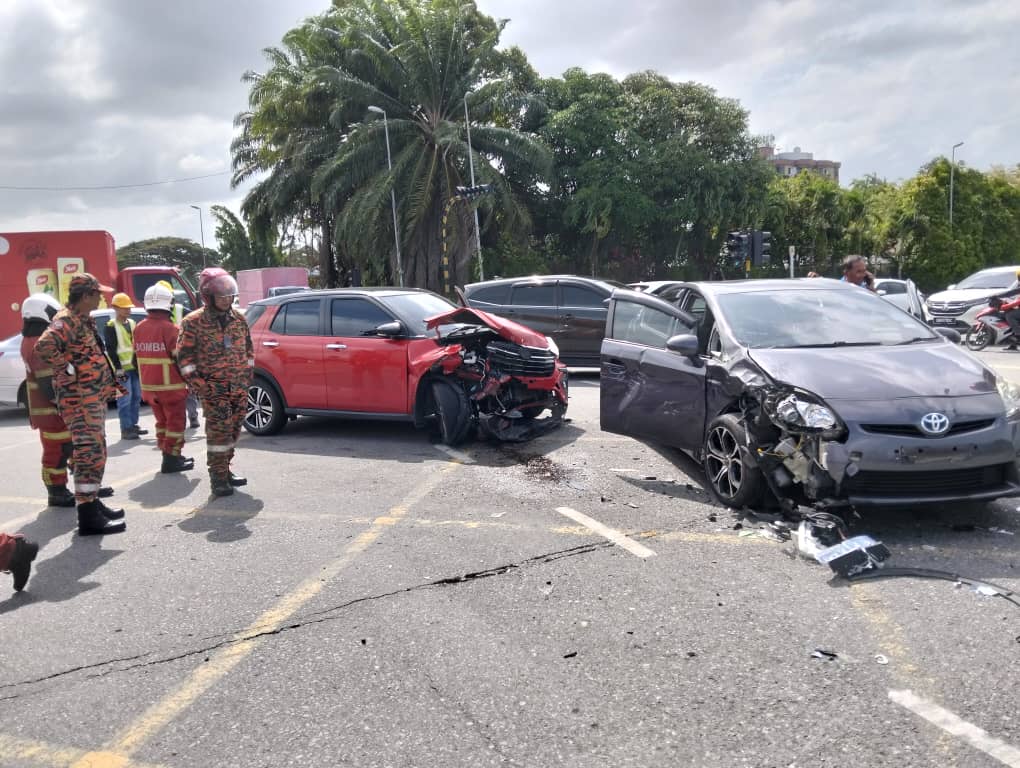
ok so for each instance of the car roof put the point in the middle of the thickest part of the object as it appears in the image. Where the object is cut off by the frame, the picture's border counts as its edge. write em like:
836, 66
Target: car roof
538, 278
373, 290
718, 288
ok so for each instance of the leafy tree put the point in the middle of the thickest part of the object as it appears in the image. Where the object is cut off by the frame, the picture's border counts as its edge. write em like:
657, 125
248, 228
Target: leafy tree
188, 255
243, 247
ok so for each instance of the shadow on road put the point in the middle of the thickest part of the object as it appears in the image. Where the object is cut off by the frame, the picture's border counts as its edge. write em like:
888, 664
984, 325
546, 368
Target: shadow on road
224, 524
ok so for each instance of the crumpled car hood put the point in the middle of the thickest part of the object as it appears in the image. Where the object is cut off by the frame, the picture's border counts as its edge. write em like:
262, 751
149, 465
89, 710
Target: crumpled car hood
507, 329
878, 373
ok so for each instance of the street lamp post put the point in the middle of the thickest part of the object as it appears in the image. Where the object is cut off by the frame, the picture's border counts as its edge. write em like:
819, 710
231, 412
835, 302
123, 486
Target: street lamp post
952, 173
471, 165
201, 231
393, 194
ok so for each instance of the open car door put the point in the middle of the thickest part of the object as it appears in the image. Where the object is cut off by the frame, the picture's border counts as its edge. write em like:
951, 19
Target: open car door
916, 304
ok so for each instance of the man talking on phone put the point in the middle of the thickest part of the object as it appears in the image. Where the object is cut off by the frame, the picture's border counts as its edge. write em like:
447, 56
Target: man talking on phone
855, 270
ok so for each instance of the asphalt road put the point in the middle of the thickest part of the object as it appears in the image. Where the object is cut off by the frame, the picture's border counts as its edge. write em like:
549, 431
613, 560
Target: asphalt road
370, 599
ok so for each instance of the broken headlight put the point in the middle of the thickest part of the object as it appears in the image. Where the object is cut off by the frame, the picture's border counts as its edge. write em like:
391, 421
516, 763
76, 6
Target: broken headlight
798, 411
1010, 395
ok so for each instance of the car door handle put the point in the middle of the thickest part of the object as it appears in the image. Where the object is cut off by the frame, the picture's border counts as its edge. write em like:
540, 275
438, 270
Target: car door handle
336, 346
270, 343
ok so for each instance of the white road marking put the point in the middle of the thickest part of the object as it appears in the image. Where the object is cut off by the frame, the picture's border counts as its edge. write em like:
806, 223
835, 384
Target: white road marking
453, 453
605, 531
950, 723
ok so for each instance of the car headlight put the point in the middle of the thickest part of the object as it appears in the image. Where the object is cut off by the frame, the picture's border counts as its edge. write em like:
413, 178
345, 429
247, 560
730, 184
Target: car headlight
799, 411
552, 345
1010, 394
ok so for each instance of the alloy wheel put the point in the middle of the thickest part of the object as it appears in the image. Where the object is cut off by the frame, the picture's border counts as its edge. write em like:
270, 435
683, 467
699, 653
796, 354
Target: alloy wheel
722, 463
260, 407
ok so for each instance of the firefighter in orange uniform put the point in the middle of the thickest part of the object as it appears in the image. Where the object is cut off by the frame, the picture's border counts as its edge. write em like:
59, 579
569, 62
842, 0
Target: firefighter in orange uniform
216, 357
16, 556
36, 312
83, 384
164, 388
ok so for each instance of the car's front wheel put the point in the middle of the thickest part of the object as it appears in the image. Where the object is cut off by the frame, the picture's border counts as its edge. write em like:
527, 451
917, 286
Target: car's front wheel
264, 414
731, 481
452, 412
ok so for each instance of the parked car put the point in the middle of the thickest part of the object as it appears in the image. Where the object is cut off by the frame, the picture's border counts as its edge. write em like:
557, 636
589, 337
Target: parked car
569, 309
12, 367
809, 392
407, 354
902, 293
958, 305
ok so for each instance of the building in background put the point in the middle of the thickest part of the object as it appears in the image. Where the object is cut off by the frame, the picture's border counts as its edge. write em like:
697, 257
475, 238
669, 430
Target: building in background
792, 163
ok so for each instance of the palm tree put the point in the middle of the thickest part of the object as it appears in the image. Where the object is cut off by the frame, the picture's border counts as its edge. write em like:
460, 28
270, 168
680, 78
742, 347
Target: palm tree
417, 60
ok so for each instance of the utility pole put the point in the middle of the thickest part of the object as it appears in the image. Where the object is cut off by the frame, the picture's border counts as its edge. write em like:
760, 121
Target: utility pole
952, 173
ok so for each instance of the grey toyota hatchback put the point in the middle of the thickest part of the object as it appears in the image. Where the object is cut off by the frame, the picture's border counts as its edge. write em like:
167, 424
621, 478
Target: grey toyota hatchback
809, 392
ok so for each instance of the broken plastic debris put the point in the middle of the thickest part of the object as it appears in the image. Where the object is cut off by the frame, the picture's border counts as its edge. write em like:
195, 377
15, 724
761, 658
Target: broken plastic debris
986, 590
821, 653
1003, 531
807, 544
881, 658
856, 554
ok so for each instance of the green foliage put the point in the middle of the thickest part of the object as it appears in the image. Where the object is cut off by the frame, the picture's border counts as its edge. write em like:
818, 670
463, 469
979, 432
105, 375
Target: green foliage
241, 247
188, 255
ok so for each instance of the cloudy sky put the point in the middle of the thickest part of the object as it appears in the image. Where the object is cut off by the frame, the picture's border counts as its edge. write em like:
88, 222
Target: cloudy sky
108, 93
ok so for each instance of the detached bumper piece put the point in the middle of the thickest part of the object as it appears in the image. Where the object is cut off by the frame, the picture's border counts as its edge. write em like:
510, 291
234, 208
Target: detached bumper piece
517, 430
854, 555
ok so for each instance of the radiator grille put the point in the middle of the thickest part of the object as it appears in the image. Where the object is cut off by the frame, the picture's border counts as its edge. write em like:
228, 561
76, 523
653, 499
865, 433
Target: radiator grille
515, 360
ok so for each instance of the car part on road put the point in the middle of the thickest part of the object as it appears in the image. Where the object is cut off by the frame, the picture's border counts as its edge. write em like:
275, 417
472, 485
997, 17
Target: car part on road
928, 573
855, 555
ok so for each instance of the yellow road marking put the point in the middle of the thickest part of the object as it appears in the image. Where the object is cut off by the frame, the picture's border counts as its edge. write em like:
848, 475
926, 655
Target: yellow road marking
220, 663
45, 754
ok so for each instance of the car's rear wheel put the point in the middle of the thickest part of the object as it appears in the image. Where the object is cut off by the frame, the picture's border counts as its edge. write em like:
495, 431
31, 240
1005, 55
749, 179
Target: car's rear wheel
264, 414
978, 337
731, 481
452, 412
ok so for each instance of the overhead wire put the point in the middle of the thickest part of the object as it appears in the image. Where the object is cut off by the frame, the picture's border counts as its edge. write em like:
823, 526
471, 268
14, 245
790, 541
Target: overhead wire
111, 186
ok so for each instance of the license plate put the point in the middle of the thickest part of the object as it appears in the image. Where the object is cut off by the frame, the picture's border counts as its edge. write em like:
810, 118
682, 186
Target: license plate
944, 321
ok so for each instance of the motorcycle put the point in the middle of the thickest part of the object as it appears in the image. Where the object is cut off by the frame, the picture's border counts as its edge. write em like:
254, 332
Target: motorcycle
990, 328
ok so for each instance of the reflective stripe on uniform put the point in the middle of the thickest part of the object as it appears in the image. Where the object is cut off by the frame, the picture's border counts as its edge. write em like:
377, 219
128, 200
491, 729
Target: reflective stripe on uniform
219, 448
86, 487
163, 387
41, 411
57, 436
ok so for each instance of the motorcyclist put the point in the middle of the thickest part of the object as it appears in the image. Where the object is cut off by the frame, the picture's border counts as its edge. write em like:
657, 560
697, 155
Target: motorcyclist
1011, 310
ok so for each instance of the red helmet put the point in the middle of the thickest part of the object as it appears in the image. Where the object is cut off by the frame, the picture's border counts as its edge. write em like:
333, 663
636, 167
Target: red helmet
215, 281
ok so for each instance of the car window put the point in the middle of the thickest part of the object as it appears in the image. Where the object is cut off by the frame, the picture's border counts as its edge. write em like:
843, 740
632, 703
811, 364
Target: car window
580, 296
989, 280
695, 305
298, 318
671, 293
891, 288
253, 313
535, 295
639, 324
491, 294
356, 317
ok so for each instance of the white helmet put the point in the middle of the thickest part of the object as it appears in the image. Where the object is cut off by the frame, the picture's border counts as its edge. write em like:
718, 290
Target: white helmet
158, 297
39, 306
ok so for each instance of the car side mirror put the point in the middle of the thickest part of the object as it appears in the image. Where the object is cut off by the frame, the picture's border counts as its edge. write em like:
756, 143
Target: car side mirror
389, 330
685, 344
950, 287
880, 292
950, 333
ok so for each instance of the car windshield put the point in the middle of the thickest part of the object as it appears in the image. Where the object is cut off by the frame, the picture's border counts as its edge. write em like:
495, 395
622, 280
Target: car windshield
416, 308
818, 318
988, 280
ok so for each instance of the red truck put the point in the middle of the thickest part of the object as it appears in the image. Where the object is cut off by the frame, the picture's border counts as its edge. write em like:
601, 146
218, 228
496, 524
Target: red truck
33, 262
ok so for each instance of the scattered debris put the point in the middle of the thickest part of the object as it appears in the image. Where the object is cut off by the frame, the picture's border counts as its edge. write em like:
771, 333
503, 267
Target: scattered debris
570, 655
821, 653
986, 590
928, 573
855, 555
498, 514
1003, 531
881, 658
633, 506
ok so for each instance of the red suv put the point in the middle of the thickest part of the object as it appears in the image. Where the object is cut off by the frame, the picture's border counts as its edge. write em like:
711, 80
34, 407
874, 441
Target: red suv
401, 353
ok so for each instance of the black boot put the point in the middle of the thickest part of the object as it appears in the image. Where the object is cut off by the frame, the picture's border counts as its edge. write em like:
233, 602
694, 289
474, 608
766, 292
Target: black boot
59, 496
105, 492
139, 431
21, 562
110, 514
221, 486
173, 463
92, 521
238, 480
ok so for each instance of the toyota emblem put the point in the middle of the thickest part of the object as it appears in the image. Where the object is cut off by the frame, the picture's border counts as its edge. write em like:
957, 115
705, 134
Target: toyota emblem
934, 423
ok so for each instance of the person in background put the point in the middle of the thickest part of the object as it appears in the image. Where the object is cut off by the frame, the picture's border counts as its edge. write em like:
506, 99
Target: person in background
83, 383
119, 337
216, 357
165, 390
16, 556
855, 271
36, 313
191, 402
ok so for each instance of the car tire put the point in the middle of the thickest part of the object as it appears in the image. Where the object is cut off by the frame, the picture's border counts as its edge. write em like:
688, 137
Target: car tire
730, 479
264, 414
452, 412
977, 338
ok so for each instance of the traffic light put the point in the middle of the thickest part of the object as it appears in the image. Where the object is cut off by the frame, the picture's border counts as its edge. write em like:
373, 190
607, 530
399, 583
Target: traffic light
737, 248
761, 247
471, 193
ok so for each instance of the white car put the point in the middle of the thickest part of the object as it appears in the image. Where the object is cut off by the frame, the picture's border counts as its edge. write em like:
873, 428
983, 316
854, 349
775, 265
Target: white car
958, 305
12, 373
898, 292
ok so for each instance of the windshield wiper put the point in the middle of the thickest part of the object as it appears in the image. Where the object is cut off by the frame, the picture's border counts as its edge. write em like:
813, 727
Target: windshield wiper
916, 339
832, 344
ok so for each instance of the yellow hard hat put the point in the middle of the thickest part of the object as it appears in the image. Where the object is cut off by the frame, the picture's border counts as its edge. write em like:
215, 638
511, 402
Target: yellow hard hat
122, 300
165, 284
